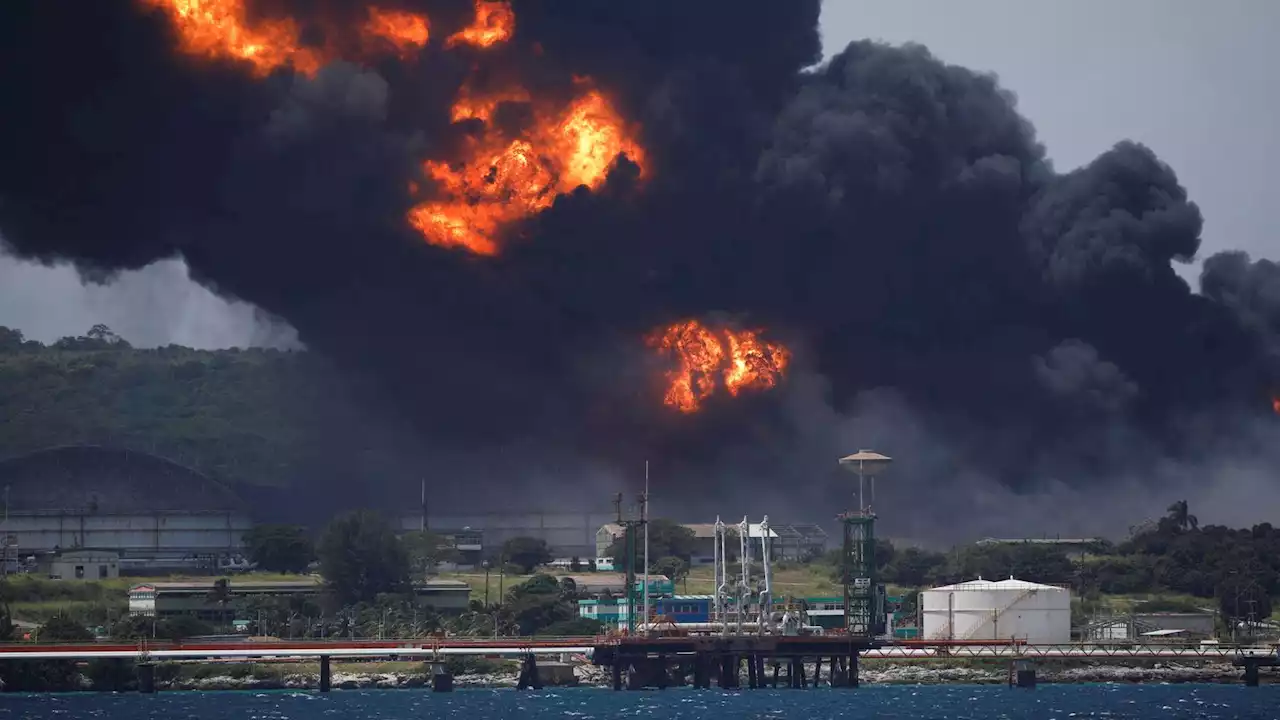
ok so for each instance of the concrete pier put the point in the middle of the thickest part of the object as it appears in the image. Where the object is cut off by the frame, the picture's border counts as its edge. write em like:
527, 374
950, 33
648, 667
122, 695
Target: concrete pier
645, 660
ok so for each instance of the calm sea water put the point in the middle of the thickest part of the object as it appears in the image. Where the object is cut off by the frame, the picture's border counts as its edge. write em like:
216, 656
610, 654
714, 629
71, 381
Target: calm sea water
1115, 702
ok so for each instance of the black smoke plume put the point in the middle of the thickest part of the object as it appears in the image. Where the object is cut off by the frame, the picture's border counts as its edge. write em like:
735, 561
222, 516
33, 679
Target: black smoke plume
950, 297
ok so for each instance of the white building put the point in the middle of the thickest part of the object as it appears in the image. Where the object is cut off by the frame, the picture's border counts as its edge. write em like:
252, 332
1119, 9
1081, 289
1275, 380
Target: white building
704, 535
1003, 610
81, 564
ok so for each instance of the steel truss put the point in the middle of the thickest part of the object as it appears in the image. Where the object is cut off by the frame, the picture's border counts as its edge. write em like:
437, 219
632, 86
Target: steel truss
926, 651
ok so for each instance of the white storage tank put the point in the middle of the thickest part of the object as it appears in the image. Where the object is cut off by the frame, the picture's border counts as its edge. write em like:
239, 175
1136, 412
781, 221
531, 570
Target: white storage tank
1007, 609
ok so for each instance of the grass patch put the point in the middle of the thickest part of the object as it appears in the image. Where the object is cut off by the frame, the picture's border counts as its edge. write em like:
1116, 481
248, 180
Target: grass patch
810, 581
86, 612
498, 584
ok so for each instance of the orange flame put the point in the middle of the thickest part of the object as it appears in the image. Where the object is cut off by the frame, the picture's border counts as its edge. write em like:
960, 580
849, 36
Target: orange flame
405, 31
494, 23
470, 105
503, 177
741, 359
1275, 404
503, 180
220, 29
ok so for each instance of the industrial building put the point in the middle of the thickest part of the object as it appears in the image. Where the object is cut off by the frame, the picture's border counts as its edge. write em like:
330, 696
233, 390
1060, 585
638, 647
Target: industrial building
787, 542
80, 564
153, 512
567, 534
822, 612
1004, 610
166, 599
1157, 626
601, 584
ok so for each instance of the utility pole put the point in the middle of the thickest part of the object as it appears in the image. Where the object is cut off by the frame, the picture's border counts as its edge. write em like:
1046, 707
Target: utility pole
5, 533
644, 518
630, 526
422, 522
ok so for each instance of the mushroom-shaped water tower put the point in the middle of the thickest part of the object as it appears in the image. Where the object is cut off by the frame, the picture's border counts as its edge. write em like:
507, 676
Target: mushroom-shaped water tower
863, 596
866, 464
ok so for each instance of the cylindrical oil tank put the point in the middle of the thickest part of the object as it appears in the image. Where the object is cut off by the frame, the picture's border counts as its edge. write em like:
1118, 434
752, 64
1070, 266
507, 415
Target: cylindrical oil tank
1004, 610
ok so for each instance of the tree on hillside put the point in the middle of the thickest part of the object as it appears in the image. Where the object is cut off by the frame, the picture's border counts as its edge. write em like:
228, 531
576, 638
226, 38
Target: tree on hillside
280, 548
426, 550
11, 340
1025, 561
538, 603
47, 675
1243, 600
673, 567
220, 594
61, 628
1181, 517
6, 617
361, 557
667, 538
914, 567
526, 552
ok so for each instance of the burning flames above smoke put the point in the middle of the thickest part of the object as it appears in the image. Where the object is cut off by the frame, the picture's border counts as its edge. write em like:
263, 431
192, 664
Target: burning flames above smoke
494, 24
504, 177
221, 29
705, 359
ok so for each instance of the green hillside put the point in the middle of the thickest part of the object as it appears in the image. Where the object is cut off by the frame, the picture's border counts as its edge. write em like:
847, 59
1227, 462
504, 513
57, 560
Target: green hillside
258, 417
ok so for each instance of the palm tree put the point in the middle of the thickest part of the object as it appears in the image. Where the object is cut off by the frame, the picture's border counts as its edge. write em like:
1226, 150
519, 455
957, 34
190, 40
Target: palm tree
1181, 517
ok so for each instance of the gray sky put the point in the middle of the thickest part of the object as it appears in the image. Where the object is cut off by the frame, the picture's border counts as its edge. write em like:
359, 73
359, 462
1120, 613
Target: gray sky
1194, 80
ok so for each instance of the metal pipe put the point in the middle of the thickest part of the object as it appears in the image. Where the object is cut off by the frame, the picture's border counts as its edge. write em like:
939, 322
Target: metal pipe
644, 517
714, 626
744, 562
766, 595
721, 570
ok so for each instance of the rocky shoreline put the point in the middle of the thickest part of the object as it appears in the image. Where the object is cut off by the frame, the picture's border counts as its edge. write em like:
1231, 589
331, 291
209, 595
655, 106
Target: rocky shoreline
900, 674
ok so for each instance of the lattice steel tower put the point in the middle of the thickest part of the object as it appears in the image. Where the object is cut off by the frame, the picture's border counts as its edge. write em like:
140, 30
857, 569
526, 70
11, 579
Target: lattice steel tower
863, 595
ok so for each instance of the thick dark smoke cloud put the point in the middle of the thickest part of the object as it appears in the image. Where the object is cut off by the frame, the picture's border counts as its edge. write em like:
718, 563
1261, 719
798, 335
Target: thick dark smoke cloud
951, 299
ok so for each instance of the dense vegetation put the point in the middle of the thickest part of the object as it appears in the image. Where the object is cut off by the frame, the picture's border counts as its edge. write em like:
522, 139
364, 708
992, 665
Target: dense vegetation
245, 417
1237, 570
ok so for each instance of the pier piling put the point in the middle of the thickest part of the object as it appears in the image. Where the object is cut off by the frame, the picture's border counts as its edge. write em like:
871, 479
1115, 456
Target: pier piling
529, 674
326, 676
1024, 672
146, 677
441, 678
719, 659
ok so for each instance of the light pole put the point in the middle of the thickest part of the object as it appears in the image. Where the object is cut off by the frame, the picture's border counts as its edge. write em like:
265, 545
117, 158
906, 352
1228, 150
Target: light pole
486, 565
